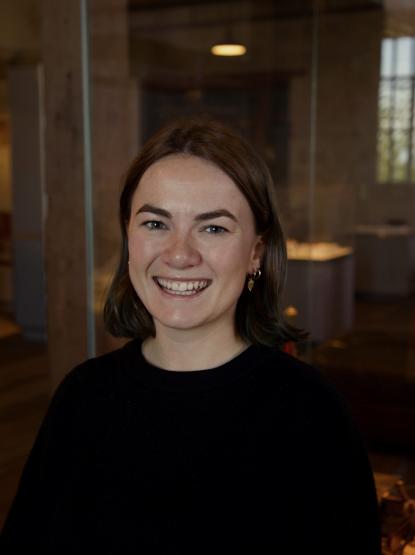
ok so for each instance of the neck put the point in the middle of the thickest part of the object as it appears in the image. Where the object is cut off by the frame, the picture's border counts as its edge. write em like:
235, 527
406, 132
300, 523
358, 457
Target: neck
186, 350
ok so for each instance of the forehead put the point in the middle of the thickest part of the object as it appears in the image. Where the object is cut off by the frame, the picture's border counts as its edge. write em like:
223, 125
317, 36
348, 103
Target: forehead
188, 178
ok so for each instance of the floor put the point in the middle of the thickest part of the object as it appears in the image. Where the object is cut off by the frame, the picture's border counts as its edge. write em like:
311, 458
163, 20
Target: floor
359, 363
24, 396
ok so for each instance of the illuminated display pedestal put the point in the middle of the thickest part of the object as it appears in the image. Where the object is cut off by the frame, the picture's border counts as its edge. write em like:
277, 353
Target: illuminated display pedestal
320, 286
385, 260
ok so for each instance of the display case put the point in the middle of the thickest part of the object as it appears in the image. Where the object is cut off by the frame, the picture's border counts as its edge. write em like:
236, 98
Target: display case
320, 288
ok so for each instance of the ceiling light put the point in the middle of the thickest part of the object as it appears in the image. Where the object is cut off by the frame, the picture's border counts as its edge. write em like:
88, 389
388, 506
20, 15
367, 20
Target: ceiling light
228, 49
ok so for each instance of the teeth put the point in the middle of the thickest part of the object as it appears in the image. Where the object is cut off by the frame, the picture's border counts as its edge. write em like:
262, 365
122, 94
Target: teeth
182, 286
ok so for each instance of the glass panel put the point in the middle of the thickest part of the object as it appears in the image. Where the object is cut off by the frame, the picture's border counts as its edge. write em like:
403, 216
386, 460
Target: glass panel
400, 155
402, 104
388, 46
403, 58
171, 72
386, 95
384, 155
333, 122
363, 315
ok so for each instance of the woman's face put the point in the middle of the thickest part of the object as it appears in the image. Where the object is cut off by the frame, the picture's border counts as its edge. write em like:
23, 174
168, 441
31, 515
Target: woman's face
191, 241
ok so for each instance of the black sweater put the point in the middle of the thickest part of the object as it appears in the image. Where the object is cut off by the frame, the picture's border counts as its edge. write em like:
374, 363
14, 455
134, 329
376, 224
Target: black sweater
258, 455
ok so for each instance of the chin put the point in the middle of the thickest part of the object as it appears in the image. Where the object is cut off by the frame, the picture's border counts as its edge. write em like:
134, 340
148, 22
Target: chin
179, 323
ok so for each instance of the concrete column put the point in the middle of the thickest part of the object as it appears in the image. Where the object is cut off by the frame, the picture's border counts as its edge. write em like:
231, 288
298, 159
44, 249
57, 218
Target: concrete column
65, 224
114, 123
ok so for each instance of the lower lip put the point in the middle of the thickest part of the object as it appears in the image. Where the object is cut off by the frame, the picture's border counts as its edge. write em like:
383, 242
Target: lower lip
176, 296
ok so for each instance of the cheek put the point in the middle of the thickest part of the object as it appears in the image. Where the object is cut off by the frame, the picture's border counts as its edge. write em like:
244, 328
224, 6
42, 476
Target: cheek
232, 260
135, 249
139, 251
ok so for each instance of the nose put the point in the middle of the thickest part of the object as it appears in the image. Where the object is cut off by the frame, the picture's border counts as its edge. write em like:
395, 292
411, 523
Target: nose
181, 252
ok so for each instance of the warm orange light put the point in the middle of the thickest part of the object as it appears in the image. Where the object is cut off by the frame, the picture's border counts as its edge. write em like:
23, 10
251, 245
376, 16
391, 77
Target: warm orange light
228, 49
291, 311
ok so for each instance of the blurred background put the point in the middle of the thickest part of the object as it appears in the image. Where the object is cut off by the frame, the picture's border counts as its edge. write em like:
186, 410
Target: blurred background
325, 90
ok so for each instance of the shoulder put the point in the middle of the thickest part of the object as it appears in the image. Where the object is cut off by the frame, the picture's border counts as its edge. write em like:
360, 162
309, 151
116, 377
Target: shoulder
308, 396
311, 412
314, 426
92, 384
286, 371
100, 371
87, 398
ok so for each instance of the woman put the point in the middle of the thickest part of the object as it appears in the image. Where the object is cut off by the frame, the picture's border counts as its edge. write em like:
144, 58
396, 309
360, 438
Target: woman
200, 435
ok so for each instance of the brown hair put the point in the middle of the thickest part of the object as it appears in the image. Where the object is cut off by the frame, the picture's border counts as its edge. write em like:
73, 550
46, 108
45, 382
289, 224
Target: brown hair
258, 316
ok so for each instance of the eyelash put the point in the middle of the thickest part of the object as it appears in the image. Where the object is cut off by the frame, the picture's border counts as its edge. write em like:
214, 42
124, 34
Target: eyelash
150, 225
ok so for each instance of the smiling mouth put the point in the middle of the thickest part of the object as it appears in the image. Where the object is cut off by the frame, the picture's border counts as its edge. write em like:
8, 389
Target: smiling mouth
182, 288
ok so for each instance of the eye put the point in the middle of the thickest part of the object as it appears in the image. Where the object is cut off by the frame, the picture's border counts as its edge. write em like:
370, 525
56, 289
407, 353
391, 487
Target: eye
215, 229
153, 225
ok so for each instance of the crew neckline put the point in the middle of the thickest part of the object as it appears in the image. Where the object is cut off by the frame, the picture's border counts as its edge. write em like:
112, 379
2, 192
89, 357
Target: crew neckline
190, 380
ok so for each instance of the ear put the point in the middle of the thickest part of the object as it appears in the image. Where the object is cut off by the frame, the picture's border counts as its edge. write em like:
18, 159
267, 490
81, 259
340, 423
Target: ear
257, 253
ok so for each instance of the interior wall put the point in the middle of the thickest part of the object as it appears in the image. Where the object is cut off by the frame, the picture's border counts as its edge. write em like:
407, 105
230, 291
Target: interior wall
345, 126
20, 29
378, 203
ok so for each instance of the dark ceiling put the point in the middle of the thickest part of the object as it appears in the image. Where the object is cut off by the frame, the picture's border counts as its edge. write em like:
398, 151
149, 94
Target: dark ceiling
277, 7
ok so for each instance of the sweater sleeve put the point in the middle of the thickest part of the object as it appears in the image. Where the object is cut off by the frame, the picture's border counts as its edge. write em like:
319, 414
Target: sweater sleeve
48, 475
343, 508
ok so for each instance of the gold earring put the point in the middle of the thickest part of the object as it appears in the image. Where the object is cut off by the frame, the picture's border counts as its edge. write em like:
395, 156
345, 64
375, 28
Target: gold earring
252, 278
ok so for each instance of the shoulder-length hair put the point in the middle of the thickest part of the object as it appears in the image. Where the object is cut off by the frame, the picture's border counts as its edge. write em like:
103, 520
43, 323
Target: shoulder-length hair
258, 317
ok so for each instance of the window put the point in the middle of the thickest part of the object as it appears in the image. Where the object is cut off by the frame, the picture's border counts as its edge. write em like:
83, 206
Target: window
396, 138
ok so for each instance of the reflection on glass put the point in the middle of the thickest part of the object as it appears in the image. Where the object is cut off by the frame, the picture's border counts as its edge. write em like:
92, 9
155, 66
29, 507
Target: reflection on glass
400, 154
383, 153
403, 56
385, 102
402, 104
348, 241
396, 110
319, 251
387, 49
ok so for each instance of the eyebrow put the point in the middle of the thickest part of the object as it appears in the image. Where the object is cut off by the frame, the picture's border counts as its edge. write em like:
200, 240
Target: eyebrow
200, 217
